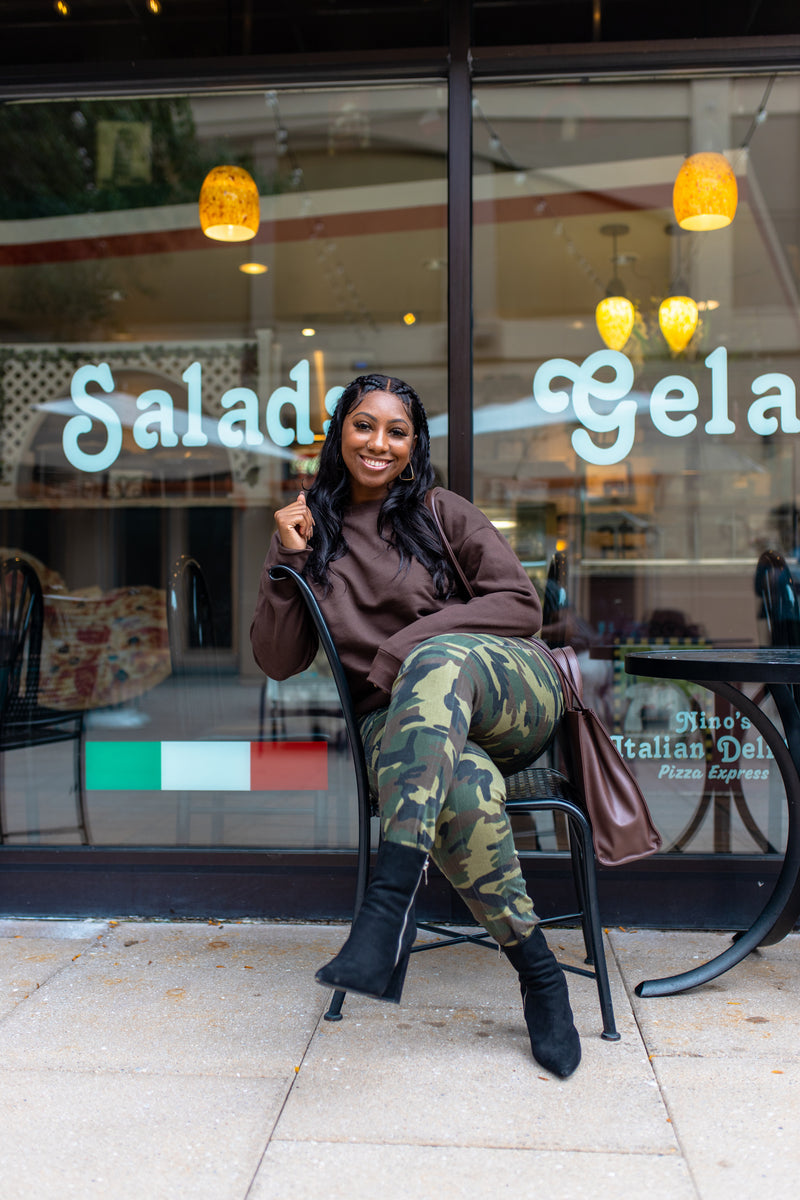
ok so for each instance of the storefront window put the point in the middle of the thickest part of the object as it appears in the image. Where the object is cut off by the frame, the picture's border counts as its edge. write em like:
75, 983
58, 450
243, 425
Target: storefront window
161, 395
657, 473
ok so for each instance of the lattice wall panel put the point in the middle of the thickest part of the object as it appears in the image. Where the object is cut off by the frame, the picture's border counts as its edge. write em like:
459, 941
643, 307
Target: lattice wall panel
30, 377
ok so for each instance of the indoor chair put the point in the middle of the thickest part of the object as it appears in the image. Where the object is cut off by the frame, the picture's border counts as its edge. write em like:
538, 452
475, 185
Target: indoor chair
24, 722
200, 712
536, 789
780, 607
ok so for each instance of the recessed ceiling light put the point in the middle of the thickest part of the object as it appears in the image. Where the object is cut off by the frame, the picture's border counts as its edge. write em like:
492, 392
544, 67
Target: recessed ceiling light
409, 318
308, 331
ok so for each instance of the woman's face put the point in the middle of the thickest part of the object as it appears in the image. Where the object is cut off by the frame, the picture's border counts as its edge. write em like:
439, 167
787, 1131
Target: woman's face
377, 442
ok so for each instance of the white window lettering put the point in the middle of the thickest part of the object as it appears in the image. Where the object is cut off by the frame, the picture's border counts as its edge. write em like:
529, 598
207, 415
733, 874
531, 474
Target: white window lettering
243, 405
717, 363
785, 401
93, 408
193, 378
143, 435
674, 393
621, 419
281, 434
332, 398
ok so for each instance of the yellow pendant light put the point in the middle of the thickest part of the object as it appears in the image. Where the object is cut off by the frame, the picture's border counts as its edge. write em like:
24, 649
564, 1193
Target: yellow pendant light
229, 205
677, 319
614, 317
615, 314
705, 194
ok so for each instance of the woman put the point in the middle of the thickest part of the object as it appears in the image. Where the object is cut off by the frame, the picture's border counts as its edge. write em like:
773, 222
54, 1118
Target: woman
451, 695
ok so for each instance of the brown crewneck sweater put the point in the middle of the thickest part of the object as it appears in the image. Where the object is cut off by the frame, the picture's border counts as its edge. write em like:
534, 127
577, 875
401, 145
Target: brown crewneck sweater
378, 613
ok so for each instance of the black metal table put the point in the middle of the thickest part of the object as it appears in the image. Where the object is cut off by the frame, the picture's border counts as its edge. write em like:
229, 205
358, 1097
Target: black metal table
719, 670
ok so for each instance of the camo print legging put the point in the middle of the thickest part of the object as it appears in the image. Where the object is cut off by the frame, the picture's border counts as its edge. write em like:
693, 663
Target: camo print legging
465, 710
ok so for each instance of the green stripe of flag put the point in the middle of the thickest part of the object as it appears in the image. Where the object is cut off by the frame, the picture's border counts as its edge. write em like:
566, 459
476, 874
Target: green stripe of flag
113, 765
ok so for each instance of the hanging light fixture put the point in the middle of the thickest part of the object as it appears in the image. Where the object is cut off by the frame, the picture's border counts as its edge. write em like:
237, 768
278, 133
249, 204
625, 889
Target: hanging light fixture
705, 194
614, 315
678, 314
677, 320
229, 205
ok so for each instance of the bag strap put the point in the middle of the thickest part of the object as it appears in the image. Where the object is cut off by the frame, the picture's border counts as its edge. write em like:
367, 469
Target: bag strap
430, 500
568, 671
573, 697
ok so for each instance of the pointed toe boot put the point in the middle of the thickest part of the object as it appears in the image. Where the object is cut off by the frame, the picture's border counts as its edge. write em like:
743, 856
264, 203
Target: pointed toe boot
555, 1043
374, 958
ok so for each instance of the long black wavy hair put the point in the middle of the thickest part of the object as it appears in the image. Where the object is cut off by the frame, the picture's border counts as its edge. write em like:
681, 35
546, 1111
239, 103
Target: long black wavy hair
404, 520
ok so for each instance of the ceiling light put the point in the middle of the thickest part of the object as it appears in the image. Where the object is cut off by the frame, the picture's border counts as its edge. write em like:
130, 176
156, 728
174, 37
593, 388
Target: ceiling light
253, 268
229, 207
615, 314
677, 314
409, 318
705, 193
308, 331
614, 317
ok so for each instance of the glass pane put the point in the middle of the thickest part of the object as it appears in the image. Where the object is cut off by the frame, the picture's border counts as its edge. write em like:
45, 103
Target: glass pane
657, 471
162, 394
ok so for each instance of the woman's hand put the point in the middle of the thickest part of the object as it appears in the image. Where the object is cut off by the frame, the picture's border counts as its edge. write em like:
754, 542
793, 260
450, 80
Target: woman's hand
295, 524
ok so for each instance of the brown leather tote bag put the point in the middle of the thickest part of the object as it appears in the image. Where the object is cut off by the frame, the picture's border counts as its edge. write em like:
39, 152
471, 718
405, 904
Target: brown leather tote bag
622, 827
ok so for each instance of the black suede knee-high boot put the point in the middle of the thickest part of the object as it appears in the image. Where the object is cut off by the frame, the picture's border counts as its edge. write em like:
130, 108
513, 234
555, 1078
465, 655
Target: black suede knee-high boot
554, 1039
374, 958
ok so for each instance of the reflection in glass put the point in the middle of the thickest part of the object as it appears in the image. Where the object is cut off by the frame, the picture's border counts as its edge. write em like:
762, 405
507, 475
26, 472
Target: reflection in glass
160, 401
660, 473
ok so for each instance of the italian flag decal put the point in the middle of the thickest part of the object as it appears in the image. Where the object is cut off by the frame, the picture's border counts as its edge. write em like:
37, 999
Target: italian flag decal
207, 766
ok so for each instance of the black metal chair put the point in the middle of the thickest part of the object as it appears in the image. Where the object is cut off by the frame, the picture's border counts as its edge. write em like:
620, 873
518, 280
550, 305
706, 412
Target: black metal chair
192, 628
555, 590
536, 789
24, 722
780, 606
190, 616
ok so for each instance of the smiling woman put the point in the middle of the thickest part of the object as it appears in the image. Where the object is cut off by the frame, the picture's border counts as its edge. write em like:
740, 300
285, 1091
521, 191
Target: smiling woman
427, 669
377, 441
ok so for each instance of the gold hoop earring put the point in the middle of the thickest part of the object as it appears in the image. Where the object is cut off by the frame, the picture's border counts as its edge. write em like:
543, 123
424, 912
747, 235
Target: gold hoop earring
407, 478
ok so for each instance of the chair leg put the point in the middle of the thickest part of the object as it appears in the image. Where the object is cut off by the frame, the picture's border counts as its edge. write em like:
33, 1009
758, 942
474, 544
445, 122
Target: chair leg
581, 833
2, 797
575, 844
334, 1012
80, 793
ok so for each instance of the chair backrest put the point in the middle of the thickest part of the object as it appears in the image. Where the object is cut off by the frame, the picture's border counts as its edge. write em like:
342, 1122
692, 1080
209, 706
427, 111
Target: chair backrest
190, 615
780, 607
555, 589
21, 623
348, 712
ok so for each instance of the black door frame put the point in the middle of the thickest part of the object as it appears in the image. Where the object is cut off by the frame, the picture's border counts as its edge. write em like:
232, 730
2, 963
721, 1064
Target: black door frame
182, 883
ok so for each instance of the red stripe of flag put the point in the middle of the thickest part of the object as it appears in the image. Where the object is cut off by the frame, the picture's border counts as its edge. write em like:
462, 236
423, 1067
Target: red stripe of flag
288, 766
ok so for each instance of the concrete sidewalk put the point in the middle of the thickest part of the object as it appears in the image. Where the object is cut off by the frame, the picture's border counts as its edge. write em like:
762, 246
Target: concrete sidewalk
150, 1061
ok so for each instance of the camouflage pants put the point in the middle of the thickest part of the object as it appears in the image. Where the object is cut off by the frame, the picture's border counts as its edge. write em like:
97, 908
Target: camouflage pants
465, 710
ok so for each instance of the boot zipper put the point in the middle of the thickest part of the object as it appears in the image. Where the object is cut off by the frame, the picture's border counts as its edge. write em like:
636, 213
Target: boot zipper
409, 906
